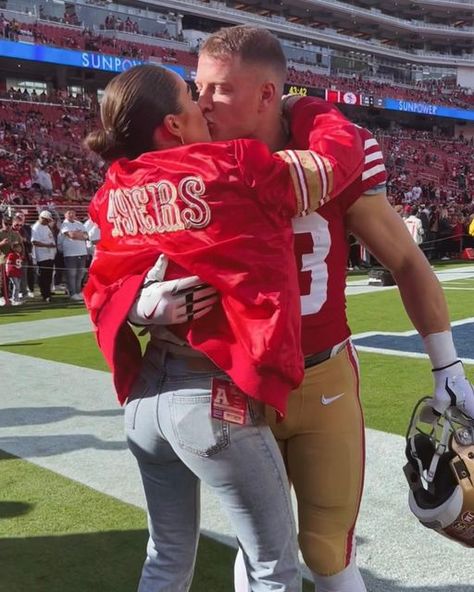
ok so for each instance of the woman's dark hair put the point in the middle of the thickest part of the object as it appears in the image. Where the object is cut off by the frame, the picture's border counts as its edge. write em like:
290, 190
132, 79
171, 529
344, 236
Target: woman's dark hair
134, 104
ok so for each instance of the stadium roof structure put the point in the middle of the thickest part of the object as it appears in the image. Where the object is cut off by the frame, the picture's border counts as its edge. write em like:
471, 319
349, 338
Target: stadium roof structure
442, 35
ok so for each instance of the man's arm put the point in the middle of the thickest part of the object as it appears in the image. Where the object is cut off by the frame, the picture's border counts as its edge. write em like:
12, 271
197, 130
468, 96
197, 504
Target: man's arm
78, 234
38, 243
372, 219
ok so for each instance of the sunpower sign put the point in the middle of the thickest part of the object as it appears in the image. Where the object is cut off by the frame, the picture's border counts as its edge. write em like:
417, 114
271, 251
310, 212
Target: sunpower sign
427, 109
108, 63
72, 57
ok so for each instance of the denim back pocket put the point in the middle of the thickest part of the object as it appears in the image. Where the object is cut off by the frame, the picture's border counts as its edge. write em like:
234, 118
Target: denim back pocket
193, 426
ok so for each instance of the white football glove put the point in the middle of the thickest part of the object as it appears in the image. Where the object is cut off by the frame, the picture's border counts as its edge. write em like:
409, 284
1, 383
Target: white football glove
453, 389
171, 302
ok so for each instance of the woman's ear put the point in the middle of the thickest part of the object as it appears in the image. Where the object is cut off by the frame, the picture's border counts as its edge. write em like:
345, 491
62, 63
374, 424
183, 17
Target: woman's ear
168, 134
172, 125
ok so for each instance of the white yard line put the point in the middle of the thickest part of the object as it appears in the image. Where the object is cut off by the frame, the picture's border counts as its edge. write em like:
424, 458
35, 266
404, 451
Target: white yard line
44, 328
361, 286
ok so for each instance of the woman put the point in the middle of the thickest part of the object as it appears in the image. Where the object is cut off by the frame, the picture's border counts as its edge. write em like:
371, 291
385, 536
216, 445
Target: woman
221, 211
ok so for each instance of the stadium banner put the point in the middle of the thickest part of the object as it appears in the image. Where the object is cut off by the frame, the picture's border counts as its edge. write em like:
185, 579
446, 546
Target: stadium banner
426, 109
72, 57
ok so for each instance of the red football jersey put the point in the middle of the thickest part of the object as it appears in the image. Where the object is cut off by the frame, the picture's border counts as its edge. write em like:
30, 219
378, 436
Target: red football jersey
221, 211
13, 265
321, 238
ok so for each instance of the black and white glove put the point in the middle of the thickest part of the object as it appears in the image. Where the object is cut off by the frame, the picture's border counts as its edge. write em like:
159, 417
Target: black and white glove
171, 302
453, 389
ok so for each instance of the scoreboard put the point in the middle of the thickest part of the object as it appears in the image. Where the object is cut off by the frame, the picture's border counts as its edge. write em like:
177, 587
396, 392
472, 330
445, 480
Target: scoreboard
335, 96
304, 91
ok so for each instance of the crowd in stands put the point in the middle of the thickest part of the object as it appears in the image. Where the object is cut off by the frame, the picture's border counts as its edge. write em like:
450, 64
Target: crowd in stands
85, 39
118, 24
443, 167
432, 177
41, 160
85, 101
439, 92
42, 164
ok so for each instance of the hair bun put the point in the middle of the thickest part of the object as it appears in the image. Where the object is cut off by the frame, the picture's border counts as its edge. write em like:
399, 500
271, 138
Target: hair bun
105, 144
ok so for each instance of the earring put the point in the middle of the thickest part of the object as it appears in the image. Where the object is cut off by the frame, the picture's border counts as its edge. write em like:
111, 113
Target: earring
181, 138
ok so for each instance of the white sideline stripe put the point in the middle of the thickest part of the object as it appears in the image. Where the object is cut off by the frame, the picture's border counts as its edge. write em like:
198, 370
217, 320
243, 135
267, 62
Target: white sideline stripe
401, 353
373, 171
459, 289
409, 332
44, 328
361, 286
373, 156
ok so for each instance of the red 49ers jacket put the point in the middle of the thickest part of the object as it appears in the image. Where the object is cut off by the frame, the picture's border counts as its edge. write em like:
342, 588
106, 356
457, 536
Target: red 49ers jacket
221, 211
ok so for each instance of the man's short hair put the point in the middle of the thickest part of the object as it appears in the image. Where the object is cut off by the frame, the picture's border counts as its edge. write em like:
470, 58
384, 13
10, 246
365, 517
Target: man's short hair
254, 45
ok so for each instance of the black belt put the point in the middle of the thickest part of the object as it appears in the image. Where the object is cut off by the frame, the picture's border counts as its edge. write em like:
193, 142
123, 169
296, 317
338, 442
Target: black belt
320, 357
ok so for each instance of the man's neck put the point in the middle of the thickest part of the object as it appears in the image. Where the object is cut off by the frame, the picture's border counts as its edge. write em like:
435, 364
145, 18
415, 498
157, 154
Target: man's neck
275, 135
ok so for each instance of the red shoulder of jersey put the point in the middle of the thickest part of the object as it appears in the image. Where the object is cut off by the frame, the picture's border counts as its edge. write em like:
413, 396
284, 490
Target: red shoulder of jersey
312, 118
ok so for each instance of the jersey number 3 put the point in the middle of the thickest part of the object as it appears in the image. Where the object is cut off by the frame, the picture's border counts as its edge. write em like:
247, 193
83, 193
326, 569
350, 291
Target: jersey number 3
312, 244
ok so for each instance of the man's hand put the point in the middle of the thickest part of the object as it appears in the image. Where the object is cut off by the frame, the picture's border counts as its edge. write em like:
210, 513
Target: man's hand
453, 389
288, 102
172, 302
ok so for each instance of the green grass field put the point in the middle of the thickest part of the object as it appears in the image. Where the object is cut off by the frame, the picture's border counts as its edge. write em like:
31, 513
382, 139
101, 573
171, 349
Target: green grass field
58, 535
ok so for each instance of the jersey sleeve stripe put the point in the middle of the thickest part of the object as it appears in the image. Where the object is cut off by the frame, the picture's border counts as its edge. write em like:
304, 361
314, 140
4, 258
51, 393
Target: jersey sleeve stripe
315, 179
312, 177
379, 168
300, 172
286, 155
374, 156
369, 143
330, 175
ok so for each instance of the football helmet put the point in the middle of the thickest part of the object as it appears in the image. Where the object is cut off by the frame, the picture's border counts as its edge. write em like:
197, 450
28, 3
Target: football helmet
440, 471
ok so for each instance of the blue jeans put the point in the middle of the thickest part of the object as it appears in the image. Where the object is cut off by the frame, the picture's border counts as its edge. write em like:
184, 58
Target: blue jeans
177, 444
75, 271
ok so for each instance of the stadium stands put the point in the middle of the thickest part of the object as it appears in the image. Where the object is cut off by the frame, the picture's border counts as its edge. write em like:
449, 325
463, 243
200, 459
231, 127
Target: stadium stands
41, 132
144, 46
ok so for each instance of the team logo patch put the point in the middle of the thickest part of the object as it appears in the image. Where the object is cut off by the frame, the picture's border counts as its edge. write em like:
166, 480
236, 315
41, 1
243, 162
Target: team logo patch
409, 343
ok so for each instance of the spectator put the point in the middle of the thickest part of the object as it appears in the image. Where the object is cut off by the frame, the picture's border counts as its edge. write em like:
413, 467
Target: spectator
42, 239
414, 225
93, 231
8, 237
74, 247
28, 272
14, 263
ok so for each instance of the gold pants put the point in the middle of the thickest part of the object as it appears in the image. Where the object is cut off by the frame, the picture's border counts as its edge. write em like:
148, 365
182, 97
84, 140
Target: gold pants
322, 442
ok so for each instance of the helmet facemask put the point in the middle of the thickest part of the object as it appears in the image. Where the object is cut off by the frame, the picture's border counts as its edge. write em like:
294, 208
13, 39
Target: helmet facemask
440, 471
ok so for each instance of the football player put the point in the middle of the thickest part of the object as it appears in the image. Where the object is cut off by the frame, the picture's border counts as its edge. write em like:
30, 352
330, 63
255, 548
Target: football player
322, 436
